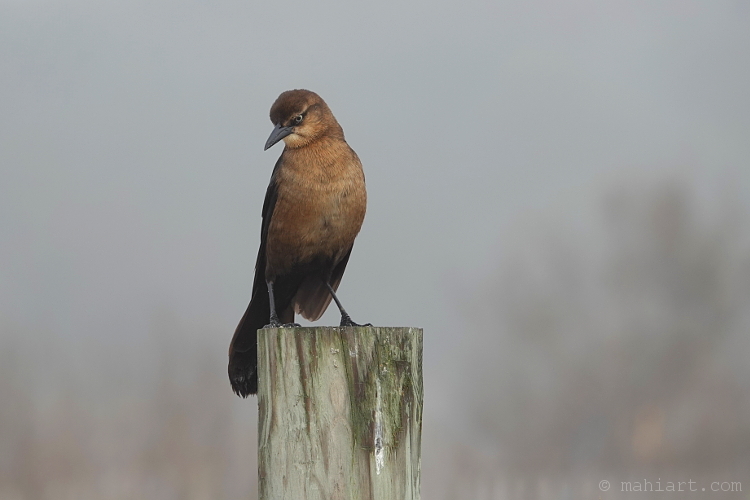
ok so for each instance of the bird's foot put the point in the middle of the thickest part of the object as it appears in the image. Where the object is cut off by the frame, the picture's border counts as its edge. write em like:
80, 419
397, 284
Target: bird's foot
291, 325
346, 320
274, 323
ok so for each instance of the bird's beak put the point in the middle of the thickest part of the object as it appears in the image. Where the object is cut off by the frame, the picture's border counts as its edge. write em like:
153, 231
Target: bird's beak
277, 134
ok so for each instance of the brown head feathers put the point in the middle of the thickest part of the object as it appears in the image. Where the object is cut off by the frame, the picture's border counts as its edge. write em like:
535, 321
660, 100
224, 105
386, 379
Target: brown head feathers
307, 117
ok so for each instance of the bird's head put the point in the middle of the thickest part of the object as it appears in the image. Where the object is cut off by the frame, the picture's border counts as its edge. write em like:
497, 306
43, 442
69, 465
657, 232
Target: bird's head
299, 118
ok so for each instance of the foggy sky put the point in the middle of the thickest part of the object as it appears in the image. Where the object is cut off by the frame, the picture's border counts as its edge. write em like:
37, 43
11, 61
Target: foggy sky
133, 170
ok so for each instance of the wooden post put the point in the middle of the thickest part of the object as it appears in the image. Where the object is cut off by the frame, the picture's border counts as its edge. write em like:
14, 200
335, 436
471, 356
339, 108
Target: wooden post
340, 413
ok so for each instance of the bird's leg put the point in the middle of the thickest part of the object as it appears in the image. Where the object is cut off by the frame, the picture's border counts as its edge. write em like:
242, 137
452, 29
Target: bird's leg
346, 320
275, 322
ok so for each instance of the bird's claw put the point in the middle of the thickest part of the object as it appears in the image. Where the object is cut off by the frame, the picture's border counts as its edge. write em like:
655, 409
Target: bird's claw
274, 323
347, 321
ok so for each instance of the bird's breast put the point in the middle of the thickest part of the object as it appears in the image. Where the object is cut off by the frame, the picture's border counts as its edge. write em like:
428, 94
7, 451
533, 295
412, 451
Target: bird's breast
319, 211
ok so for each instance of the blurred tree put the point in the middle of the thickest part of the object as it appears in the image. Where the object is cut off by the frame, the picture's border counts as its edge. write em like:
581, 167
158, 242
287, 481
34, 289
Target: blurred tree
613, 350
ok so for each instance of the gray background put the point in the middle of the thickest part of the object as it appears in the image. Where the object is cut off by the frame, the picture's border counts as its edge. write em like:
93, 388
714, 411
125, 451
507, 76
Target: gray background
557, 195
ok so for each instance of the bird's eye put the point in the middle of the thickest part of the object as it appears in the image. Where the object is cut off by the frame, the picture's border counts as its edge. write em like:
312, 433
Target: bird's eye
298, 119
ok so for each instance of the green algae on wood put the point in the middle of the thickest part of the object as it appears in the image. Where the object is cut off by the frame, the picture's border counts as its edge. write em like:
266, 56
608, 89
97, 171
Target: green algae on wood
340, 413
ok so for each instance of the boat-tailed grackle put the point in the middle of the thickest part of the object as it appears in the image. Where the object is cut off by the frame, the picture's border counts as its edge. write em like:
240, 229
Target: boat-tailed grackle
313, 210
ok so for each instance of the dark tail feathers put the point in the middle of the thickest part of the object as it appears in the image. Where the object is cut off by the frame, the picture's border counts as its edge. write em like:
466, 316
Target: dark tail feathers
243, 351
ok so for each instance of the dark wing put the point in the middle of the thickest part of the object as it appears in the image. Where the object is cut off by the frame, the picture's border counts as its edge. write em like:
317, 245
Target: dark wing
243, 348
258, 311
269, 203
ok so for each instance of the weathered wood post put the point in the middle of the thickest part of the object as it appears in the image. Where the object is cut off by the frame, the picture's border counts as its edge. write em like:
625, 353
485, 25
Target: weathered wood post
340, 413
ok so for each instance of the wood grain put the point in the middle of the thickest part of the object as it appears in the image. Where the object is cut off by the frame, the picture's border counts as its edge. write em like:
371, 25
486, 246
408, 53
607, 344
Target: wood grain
340, 413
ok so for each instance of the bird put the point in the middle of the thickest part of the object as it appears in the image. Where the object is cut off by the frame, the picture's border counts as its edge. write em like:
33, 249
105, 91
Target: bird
313, 210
